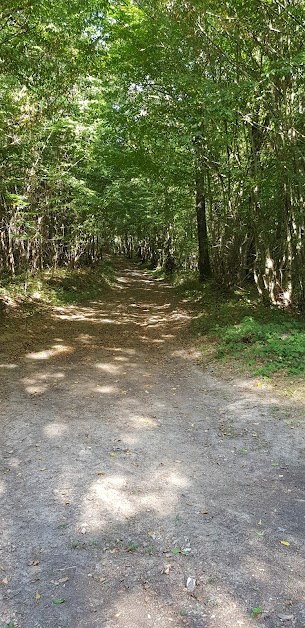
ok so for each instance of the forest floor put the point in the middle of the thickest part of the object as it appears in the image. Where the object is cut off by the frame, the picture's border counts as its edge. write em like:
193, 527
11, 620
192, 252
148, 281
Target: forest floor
137, 488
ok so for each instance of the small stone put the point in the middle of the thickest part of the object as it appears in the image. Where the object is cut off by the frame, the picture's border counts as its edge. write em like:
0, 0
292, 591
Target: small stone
166, 568
190, 584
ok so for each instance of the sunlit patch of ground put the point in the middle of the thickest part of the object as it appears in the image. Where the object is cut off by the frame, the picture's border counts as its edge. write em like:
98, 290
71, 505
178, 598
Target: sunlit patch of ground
127, 471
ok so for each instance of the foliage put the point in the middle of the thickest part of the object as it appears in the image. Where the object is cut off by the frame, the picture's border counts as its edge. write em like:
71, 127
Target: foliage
172, 131
256, 611
267, 346
236, 327
59, 286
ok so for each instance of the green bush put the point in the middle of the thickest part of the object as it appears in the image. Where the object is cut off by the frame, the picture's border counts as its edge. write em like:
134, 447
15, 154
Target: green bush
237, 326
266, 346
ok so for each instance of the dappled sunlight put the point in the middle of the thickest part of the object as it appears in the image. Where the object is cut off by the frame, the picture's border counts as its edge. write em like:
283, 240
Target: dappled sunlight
53, 430
36, 389
143, 422
91, 317
109, 368
45, 377
111, 499
157, 341
115, 496
122, 280
129, 439
82, 313
140, 609
39, 383
129, 469
162, 321
54, 352
128, 351
186, 354
64, 494
152, 320
85, 339
105, 390
178, 316
131, 605
163, 503
177, 479
229, 612
165, 306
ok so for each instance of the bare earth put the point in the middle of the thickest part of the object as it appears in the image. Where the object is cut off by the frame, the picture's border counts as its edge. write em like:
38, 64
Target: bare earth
138, 489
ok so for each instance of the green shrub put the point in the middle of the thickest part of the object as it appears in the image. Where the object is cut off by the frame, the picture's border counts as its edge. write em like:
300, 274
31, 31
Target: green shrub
266, 346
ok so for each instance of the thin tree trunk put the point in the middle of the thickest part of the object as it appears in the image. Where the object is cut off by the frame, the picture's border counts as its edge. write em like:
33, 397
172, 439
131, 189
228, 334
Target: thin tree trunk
204, 265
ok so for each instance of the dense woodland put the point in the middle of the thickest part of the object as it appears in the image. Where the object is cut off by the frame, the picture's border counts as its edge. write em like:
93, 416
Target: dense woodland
170, 130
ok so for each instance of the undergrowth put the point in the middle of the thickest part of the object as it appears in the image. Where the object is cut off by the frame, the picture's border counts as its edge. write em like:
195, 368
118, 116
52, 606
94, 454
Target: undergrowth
237, 327
61, 286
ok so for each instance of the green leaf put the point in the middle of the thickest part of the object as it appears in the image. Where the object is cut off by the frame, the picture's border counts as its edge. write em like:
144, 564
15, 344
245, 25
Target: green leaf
133, 547
176, 550
58, 601
256, 611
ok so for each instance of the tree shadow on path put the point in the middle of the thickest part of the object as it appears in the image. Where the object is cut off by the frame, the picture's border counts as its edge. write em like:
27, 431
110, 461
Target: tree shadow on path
126, 469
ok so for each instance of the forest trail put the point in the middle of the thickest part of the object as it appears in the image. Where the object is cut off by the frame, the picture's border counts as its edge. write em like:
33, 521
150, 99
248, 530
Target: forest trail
127, 471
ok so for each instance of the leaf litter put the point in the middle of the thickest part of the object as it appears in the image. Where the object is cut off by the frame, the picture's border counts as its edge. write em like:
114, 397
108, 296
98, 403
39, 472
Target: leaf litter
198, 487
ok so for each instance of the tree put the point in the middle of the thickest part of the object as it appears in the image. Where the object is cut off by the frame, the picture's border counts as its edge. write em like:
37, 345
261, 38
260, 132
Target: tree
169, 122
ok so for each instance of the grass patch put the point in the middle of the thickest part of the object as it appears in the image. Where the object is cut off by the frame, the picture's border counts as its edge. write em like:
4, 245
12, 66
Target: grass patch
62, 286
237, 327
267, 347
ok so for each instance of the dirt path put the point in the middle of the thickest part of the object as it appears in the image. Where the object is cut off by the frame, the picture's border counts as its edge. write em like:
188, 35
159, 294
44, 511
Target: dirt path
121, 459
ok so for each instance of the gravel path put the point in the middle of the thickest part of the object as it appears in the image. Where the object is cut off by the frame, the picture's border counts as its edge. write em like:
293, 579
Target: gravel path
136, 489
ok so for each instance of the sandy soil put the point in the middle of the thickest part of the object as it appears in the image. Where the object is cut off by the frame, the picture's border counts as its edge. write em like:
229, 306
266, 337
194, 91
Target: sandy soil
136, 488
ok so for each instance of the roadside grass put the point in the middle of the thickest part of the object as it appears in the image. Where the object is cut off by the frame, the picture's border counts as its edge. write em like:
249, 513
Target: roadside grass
238, 330
54, 287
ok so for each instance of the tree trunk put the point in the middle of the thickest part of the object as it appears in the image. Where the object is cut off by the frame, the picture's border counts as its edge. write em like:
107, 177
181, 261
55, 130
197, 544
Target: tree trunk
204, 265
